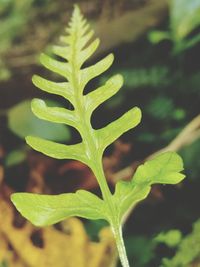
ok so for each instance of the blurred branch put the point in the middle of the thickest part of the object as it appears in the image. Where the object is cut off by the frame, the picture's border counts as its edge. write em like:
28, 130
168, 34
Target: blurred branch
186, 137
24, 61
130, 25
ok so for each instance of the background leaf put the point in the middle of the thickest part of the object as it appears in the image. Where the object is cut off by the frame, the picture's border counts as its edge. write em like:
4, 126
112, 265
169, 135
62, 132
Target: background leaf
188, 250
185, 17
15, 157
22, 122
171, 238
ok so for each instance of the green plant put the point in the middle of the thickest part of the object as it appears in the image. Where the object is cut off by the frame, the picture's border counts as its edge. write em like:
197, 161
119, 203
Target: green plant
188, 249
13, 16
3, 264
22, 122
184, 18
171, 238
44, 210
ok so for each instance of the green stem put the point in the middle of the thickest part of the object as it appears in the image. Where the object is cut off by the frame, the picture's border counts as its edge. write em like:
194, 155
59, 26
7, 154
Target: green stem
117, 232
99, 174
95, 155
115, 226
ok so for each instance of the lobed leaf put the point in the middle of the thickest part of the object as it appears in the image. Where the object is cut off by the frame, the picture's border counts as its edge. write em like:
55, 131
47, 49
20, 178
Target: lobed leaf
115, 129
164, 168
44, 210
87, 52
58, 151
85, 37
54, 114
98, 96
61, 51
61, 68
127, 195
76, 53
95, 70
62, 89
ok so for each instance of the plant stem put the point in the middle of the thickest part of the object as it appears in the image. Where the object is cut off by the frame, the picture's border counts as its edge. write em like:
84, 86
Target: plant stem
100, 176
117, 232
115, 226
94, 154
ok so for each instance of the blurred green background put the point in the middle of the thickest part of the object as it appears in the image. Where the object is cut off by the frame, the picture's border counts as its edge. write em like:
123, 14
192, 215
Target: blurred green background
156, 45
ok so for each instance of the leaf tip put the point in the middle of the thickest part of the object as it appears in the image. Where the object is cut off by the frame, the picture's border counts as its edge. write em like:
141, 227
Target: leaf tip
97, 40
137, 114
16, 199
34, 78
36, 102
76, 8
19, 201
111, 57
119, 79
13, 197
29, 140
42, 58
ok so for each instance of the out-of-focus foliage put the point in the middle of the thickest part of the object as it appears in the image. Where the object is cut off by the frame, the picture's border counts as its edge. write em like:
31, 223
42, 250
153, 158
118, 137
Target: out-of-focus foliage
13, 20
23, 33
22, 122
161, 106
14, 15
154, 76
4, 264
184, 19
171, 238
191, 158
19, 38
15, 157
188, 250
140, 250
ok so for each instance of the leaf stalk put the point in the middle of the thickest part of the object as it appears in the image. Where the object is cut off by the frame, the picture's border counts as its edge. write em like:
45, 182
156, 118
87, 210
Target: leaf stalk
117, 232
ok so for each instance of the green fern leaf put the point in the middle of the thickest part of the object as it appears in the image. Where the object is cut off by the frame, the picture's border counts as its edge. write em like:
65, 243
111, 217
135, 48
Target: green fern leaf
75, 52
52, 209
165, 169
43, 209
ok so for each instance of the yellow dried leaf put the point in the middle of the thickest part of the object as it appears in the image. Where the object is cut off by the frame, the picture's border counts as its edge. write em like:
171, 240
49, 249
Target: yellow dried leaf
71, 248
